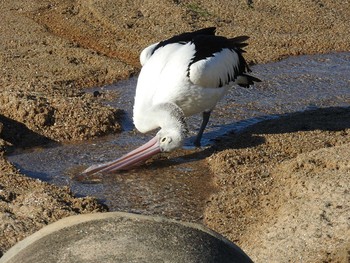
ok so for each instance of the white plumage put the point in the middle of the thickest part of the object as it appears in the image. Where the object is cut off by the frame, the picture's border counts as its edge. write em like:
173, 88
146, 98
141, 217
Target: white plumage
181, 76
208, 72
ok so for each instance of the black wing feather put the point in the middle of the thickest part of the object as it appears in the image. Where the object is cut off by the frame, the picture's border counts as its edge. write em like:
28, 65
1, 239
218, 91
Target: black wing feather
207, 45
186, 37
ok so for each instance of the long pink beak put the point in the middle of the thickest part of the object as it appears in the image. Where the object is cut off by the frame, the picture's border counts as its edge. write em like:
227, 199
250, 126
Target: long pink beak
128, 160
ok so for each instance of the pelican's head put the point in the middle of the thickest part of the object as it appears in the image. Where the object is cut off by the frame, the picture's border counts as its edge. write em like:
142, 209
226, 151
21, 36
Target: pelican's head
170, 139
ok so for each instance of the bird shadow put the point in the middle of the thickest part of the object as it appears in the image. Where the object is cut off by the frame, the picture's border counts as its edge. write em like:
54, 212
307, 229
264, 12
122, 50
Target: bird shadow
324, 119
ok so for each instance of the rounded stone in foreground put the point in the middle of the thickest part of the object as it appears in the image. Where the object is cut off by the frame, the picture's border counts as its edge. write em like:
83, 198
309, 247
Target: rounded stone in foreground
123, 237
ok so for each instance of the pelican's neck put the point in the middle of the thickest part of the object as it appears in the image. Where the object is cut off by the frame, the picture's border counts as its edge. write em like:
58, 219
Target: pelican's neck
165, 116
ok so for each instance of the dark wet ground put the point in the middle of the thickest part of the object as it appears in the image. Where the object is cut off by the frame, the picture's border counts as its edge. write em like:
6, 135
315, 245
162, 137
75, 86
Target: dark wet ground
179, 186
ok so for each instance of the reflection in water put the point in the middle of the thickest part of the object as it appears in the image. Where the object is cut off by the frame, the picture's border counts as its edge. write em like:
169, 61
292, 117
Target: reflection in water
177, 185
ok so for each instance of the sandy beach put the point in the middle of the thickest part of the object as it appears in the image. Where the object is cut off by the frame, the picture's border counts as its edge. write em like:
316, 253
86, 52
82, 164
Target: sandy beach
283, 185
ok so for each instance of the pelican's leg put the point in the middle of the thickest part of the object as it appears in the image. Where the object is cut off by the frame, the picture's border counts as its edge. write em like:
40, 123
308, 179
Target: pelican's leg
206, 116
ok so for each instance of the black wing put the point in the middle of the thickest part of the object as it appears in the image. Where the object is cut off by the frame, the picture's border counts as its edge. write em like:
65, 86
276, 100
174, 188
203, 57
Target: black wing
218, 61
186, 37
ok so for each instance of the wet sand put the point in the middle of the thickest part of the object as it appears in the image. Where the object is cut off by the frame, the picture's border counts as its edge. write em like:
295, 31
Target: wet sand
282, 185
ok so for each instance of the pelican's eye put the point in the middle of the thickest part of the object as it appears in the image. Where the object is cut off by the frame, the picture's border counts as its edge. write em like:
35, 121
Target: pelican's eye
166, 140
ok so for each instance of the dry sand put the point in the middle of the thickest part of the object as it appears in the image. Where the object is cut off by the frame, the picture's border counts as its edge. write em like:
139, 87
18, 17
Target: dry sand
285, 188
284, 193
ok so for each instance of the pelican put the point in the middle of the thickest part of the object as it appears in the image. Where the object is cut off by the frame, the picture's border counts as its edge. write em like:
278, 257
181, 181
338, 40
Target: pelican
184, 75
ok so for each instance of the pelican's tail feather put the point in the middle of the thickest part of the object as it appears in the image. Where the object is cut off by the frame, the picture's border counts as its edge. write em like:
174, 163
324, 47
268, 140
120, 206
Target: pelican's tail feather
246, 80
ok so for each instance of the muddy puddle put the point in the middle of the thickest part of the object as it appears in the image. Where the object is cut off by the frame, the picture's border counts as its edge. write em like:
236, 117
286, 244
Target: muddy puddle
177, 185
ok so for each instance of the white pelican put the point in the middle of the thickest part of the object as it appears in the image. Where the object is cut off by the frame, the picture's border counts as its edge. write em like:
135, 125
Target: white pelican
181, 76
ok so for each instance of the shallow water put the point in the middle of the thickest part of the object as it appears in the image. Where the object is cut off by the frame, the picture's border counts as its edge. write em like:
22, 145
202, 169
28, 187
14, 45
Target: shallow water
177, 185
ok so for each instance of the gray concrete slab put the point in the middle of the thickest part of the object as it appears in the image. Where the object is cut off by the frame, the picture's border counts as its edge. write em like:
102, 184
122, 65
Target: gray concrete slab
123, 237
